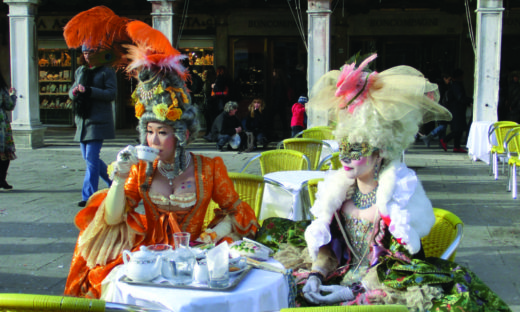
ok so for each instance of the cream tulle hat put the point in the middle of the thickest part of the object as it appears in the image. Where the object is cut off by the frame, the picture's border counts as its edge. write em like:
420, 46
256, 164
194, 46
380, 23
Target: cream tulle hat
383, 109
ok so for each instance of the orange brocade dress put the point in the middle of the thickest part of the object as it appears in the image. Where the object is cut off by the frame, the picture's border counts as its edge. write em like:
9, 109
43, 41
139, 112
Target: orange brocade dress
99, 246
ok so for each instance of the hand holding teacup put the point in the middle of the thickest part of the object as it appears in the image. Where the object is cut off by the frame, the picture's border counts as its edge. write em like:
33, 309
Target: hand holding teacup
146, 153
124, 161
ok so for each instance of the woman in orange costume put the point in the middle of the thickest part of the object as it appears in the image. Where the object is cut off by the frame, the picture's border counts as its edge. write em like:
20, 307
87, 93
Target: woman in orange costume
176, 188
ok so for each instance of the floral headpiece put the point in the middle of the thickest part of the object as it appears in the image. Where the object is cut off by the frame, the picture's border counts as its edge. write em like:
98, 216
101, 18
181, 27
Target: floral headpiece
163, 111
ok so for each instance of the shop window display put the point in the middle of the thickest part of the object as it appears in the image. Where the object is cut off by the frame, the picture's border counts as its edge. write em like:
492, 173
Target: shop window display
55, 78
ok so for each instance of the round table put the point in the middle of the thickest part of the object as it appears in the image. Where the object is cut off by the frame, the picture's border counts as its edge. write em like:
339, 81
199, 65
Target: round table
259, 291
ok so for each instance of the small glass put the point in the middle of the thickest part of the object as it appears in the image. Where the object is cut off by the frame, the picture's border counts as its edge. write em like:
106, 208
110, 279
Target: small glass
218, 266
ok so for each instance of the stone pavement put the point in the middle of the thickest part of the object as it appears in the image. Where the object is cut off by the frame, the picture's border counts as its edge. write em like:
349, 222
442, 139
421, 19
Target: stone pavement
38, 234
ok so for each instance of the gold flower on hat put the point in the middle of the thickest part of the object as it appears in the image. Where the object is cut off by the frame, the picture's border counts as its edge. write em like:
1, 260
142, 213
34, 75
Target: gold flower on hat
174, 113
160, 111
139, 110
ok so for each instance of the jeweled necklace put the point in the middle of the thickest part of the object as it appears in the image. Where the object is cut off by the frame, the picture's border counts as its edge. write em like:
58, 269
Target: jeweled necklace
168, 170
364, 201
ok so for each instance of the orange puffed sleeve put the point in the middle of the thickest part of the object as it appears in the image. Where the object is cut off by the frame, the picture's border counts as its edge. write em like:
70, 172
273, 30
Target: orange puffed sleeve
224, 194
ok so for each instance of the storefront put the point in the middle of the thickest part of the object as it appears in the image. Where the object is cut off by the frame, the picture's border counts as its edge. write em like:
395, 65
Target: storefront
267, 59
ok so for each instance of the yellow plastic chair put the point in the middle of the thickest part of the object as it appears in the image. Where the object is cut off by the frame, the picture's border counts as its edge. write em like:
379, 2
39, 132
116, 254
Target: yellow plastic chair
32, 302
445, 235
512, 147
279, 160
499, 129
310, 147
250, 189
330, 162
320, 133
367, 308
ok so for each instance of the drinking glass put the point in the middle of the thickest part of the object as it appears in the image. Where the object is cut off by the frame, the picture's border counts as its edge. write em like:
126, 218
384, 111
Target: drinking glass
218, 266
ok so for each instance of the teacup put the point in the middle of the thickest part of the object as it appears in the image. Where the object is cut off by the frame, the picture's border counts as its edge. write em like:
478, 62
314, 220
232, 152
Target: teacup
146, 153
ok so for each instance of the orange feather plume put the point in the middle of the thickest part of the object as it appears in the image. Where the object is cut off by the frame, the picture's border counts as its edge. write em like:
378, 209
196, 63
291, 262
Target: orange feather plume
154, 40
96, 28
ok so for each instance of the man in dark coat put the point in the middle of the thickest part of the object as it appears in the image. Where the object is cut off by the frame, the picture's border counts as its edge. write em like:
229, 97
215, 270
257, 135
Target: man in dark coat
93, 92
226, 125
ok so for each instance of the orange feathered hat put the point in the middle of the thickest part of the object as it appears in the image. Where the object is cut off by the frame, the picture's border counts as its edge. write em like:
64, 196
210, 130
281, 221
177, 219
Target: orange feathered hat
122, 42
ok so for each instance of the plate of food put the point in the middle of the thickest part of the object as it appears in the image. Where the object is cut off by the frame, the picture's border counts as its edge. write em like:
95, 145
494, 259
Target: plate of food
251, 249
237, 265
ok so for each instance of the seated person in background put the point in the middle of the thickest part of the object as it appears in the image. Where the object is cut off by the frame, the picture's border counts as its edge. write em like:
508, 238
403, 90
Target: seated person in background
226, 125
364, 244
175, 188
256, 123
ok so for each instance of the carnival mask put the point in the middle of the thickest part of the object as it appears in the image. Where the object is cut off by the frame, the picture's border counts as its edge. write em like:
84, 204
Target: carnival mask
348, 152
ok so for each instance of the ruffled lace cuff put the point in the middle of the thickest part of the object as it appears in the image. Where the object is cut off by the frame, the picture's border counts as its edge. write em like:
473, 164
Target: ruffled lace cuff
317, 234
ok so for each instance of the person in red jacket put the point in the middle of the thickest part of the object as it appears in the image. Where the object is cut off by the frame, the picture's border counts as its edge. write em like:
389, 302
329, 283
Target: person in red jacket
298, 116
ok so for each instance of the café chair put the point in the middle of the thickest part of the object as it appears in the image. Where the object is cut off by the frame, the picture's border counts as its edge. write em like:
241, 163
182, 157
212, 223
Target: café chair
250, 189
367, 308
445, 235
319, 132
330, 162
310, 147
279, 160
499, 129
311, 186
33, 302
512, 147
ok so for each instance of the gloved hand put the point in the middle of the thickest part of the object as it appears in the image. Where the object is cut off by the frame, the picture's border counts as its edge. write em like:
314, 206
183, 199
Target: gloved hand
312, 287
336, 294
124, 161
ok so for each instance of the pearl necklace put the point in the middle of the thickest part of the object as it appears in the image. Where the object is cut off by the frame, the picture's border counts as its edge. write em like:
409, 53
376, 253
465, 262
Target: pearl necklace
168, 170
364, 201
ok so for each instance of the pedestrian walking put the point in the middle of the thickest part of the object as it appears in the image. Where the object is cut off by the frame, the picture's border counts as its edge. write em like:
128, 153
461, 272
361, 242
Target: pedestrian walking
93, 91
7, 148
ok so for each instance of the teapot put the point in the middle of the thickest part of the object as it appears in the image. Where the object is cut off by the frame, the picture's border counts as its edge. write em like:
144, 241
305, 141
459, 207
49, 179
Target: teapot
141, 265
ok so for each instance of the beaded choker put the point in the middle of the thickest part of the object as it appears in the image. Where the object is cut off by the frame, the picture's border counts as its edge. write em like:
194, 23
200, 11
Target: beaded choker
168, 170
364, 201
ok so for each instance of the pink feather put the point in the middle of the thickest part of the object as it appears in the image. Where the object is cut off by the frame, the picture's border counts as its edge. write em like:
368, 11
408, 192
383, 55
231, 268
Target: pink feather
352, 81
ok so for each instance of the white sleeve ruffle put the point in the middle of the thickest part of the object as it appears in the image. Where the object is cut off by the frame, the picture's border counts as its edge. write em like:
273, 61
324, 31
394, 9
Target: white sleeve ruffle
410, 211
332, 192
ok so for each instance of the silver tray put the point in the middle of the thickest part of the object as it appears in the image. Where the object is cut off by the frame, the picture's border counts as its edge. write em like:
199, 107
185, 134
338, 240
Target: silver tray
234, 281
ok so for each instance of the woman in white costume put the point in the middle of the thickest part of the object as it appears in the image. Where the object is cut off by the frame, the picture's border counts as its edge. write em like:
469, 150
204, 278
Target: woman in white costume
370, 215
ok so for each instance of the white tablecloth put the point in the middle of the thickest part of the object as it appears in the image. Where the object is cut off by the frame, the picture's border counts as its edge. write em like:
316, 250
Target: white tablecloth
259, 291
289, 203
478, 145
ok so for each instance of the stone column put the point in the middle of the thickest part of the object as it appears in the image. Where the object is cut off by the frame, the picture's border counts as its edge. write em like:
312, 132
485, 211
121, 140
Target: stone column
162, 19
318, 60
28, 131
487, 59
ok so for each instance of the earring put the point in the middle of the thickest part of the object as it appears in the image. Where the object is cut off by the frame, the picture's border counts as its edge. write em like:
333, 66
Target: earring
376, 172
